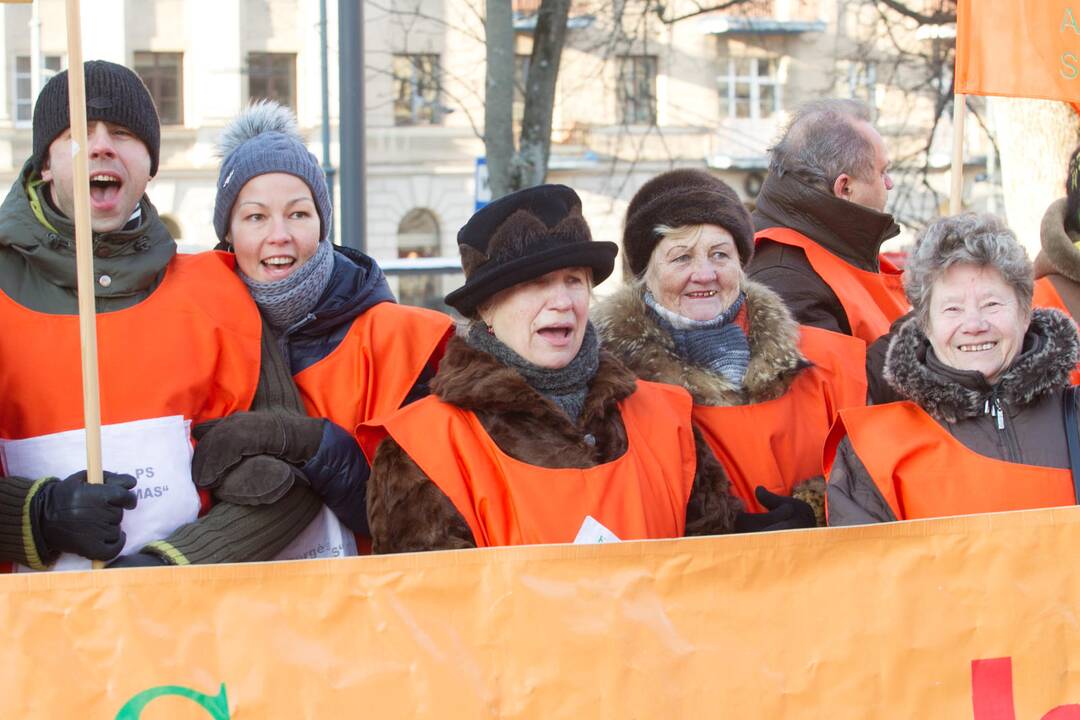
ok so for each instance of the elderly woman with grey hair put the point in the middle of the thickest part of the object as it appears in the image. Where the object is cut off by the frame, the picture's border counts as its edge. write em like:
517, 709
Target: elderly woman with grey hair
988, 409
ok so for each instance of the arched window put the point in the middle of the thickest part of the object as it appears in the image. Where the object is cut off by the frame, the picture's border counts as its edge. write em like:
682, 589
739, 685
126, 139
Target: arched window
418, 237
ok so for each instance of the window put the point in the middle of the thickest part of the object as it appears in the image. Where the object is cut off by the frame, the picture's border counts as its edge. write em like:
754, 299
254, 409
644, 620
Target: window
750, 88
23, 111
162, 73
416, 88
636, 90
418, 237
272, 76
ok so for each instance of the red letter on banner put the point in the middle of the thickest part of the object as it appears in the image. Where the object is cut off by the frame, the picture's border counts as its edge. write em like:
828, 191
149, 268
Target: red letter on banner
992, 691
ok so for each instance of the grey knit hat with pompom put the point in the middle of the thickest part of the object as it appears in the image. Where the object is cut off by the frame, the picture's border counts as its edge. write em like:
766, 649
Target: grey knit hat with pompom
265, 139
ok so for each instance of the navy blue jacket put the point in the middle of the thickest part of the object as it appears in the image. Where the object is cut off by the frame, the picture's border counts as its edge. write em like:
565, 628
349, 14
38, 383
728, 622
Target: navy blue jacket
338, 472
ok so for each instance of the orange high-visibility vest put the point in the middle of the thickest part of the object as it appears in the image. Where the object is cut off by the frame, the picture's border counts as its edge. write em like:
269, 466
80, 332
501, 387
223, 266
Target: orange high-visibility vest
192, 348
1047, 296
377, 363
778, 443
871, 301
373, 369
922, 471
642, 494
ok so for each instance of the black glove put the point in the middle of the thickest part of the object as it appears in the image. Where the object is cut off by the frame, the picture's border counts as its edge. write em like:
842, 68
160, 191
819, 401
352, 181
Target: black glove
784, 513
290, 437
73, 516
139, 559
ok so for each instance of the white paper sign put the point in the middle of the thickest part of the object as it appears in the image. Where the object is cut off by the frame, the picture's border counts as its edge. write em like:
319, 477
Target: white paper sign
592, 532
156, 452
324, 537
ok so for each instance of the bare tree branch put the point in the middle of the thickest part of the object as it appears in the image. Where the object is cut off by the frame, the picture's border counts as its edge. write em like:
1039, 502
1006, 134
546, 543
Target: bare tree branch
941, 16
701, 9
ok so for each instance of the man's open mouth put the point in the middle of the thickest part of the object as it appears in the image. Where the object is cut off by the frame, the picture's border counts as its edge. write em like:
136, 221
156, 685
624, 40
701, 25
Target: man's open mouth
104, 187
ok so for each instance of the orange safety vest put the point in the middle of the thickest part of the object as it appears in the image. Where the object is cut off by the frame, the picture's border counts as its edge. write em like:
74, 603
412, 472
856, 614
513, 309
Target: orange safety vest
192, 348
778, 443
1047, 296
642, 494
373, 368
922, 471
871, 301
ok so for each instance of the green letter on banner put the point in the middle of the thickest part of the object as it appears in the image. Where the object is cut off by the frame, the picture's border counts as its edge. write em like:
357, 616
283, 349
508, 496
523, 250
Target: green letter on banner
217, 707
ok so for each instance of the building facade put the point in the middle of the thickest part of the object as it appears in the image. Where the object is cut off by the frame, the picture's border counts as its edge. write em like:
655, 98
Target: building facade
638, 93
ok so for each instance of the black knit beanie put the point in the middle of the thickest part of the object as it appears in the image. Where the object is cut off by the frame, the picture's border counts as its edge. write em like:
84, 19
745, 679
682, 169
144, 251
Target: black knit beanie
679, 198
114, 94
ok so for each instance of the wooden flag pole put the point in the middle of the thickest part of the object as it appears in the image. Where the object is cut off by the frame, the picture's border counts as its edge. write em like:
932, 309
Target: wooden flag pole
956, 199
84, 239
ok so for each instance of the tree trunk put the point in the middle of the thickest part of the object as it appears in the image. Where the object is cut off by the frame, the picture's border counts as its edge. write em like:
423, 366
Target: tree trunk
1035, 138
530, 167
499, 95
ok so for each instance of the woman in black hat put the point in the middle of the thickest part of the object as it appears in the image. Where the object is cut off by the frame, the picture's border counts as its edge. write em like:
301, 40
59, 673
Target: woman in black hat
533, 433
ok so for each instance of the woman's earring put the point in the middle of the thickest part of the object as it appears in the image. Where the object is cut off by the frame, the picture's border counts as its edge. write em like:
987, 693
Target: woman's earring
491, 331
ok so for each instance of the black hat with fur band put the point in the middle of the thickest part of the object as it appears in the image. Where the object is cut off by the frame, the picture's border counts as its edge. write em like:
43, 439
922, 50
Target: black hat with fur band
677, 199
522, 236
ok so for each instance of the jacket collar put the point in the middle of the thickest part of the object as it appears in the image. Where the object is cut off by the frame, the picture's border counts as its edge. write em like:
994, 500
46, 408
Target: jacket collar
474, 380
133, 259
1059, 253
631, 332
846, 229
1050, 353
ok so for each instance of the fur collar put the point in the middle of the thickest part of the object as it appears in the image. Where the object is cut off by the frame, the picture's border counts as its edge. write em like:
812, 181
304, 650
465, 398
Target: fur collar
630, 331
476, 381
1041, 369
1057, 242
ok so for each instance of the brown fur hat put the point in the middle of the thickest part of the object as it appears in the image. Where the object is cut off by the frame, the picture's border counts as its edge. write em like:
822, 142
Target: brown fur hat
679, 198
522, 236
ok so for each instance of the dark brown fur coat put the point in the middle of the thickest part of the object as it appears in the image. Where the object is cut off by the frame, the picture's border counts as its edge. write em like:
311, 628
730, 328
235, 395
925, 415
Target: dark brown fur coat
407, 512
629, 330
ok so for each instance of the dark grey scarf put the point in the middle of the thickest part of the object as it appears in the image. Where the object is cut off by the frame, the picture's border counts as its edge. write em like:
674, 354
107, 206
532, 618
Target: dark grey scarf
287, 301
566, 387
718, 345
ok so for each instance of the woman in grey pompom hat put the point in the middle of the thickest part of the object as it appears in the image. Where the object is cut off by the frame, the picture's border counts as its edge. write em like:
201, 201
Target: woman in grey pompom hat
353, 352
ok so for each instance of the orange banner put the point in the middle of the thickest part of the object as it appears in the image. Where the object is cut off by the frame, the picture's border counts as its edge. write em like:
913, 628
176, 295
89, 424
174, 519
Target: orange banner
973, 617
1019, 48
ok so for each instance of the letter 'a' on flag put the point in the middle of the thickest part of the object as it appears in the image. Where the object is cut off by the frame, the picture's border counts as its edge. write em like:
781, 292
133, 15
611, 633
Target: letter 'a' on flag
1018, 48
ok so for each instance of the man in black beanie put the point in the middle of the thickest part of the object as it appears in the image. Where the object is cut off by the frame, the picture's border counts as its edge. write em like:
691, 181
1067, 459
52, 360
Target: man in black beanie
195, 352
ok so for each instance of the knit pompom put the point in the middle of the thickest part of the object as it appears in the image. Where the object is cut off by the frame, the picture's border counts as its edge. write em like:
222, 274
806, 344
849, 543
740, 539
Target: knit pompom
260, 117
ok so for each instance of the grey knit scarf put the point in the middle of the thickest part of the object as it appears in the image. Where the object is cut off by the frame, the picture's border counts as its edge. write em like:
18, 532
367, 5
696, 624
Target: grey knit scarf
287, 301
566, 387
718, 344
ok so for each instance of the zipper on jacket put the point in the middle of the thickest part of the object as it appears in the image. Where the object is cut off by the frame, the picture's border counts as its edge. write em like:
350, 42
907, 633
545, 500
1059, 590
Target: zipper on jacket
1006, 435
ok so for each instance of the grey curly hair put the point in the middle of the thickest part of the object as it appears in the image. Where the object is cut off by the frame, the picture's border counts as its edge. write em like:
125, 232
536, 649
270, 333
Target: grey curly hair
977, 239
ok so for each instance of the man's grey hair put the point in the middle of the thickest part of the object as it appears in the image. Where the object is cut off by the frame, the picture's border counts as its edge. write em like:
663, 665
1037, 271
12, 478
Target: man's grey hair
976, 239
822, 142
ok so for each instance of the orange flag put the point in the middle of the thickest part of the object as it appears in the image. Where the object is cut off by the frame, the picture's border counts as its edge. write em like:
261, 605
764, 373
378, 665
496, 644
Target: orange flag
1019, 48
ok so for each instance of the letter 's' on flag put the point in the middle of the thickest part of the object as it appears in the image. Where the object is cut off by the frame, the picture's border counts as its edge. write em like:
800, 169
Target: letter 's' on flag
1019, 48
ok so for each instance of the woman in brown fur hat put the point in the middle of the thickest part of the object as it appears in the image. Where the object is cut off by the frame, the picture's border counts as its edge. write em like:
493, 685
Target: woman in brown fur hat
533, 433
765, 389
